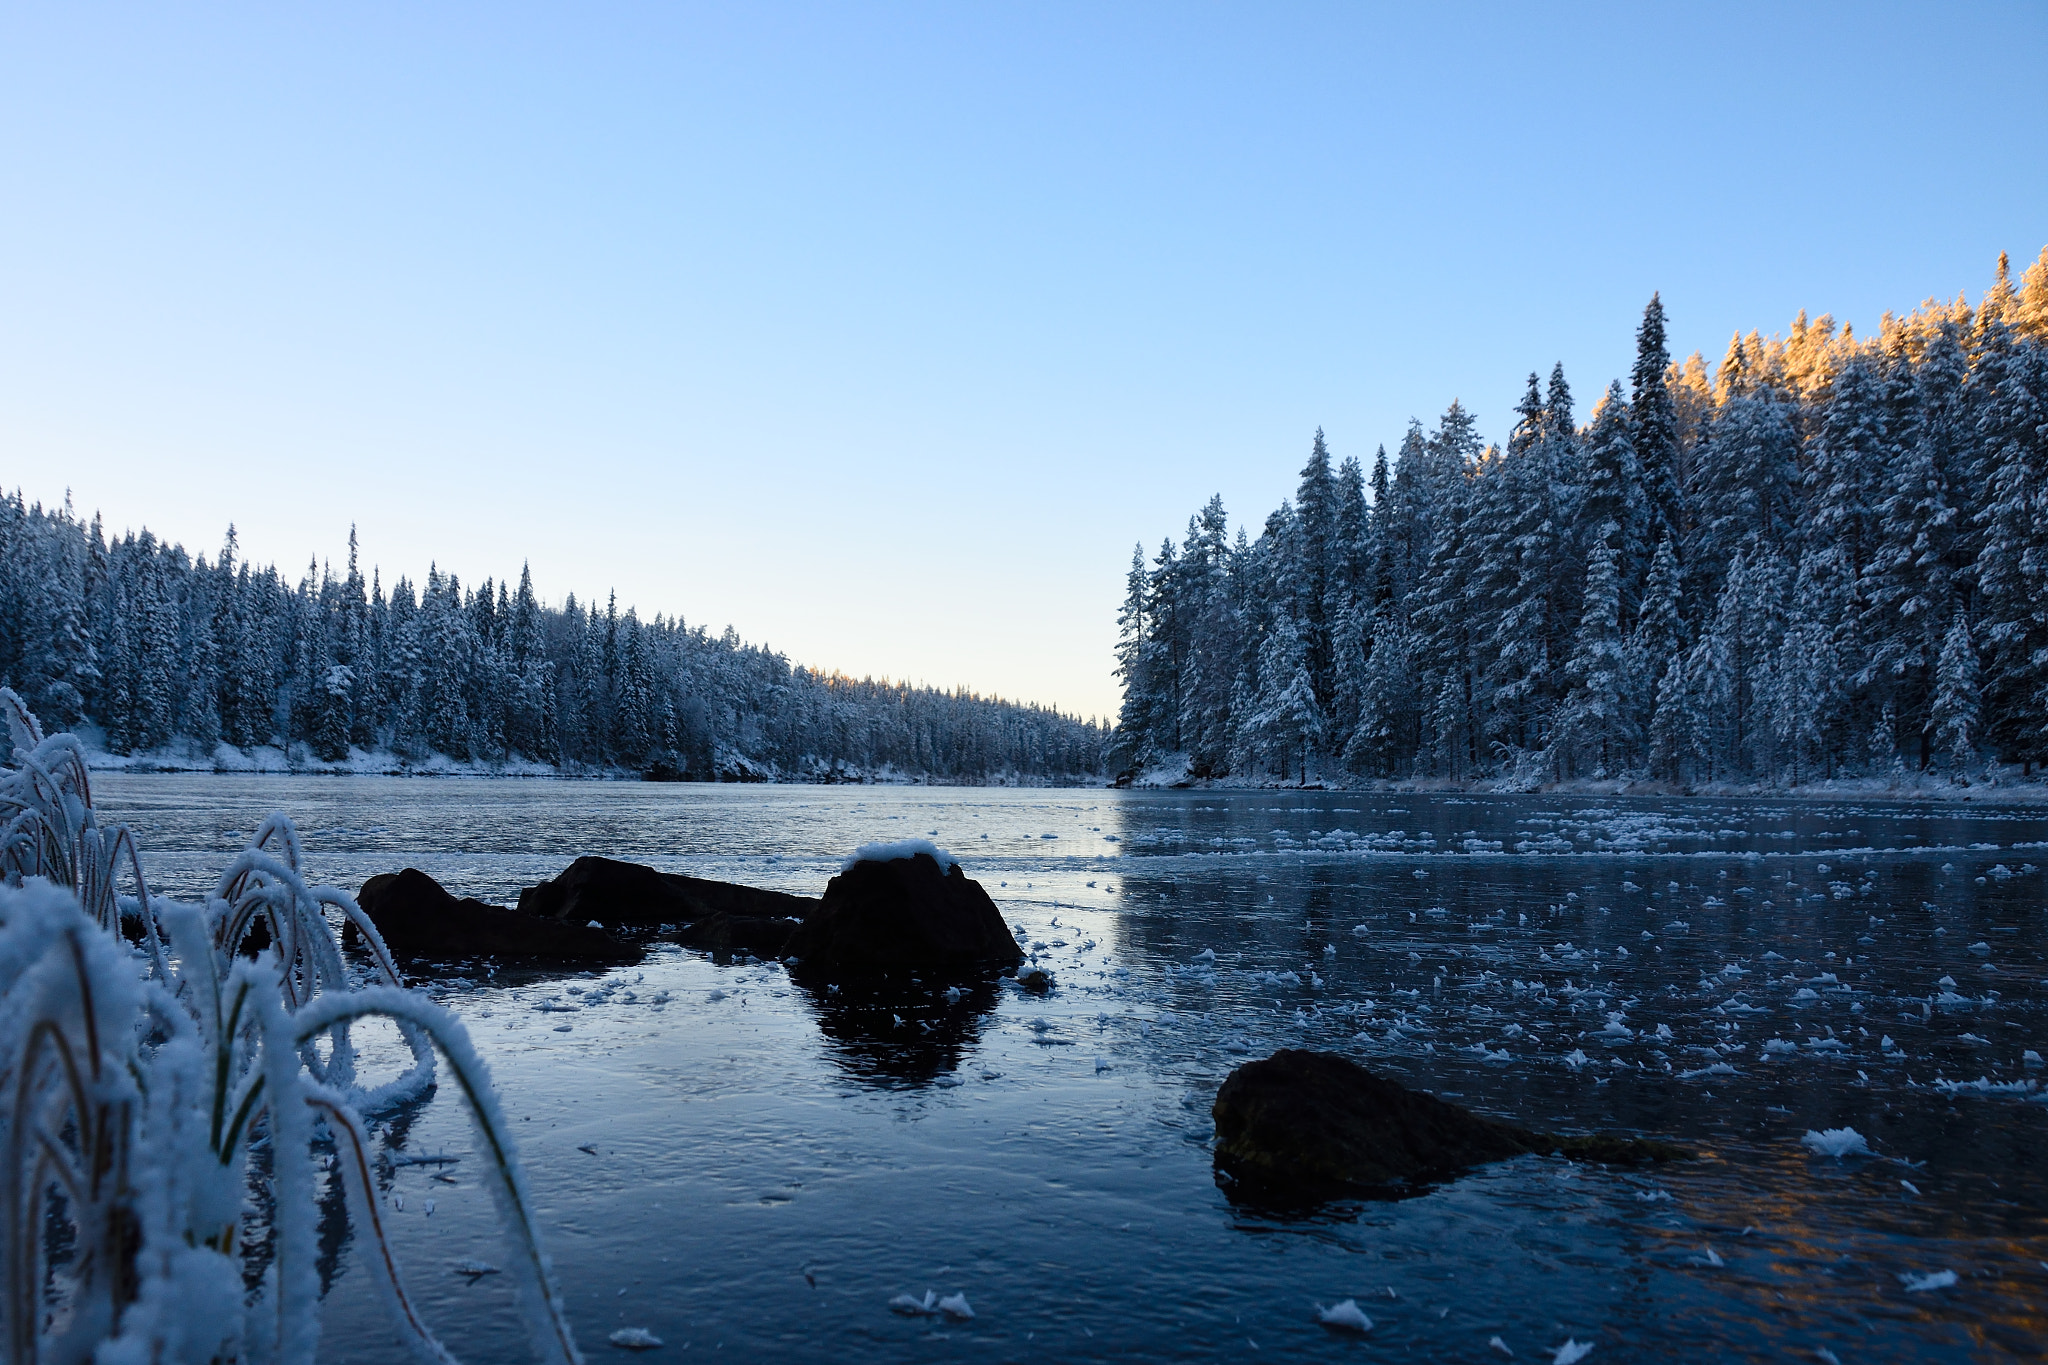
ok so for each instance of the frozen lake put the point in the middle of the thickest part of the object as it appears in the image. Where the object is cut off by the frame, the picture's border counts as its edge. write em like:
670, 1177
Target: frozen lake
769, 1171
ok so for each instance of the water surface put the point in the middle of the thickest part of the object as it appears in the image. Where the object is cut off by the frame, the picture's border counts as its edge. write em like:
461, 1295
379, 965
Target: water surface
771, 1167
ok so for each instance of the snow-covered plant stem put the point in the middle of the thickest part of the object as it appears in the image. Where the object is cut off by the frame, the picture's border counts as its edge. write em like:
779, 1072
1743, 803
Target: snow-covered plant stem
147, 1086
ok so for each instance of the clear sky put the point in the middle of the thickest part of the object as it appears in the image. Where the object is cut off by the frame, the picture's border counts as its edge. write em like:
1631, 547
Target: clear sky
881, 332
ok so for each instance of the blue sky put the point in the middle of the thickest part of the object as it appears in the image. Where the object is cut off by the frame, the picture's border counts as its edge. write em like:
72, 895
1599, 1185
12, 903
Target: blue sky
881, 332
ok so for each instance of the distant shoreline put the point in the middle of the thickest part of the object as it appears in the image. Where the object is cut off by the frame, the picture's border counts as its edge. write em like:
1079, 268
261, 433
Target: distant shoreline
273, 762
1925, 789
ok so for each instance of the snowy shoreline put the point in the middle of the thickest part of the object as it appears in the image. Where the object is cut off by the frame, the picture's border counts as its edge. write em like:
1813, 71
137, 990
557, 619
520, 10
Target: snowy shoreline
2008, 788
271, 761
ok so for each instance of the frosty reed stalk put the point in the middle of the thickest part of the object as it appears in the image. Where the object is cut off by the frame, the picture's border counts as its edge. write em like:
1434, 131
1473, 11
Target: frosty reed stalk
145, 1062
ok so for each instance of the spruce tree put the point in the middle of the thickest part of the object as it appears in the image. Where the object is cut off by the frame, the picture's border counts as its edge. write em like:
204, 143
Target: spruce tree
1595, 732
1956, 699
1653, 426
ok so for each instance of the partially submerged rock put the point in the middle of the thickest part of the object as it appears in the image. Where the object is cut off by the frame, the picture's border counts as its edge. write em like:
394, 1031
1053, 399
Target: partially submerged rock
1315, 1125
903, 914
419, 918
636, 896
762, 936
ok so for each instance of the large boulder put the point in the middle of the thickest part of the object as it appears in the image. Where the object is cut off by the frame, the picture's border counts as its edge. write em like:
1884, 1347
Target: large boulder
630, 894
419, 918
1313, 1124
907, 913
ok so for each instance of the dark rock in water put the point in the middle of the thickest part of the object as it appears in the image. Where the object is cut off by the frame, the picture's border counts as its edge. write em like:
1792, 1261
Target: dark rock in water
420, 919
900, 915
612, 892
1314, 1124
762, 936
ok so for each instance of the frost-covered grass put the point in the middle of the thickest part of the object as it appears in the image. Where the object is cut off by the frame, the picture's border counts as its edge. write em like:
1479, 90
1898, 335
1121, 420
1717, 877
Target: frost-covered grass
167, 1070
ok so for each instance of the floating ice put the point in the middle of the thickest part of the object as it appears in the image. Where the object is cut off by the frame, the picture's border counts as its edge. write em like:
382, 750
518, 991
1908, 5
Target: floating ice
1835, 1142
1571, 1350
635, 1339
955, 1306
473, 1268
1346, 1315
1939, 1279
1717, 1069
912, 1307
1497, 1344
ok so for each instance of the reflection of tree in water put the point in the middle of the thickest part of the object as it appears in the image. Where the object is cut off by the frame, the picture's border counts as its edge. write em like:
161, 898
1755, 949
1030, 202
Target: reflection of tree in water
896, 1031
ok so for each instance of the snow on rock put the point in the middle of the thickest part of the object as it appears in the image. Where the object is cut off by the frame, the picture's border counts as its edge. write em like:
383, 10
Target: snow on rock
901, 848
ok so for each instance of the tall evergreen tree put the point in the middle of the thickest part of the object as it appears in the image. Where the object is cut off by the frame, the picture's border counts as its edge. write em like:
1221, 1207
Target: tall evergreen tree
1653, 428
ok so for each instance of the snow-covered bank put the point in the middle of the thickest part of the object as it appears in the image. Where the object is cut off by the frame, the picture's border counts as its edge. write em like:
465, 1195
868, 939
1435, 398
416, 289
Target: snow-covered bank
299, 760
2005, 784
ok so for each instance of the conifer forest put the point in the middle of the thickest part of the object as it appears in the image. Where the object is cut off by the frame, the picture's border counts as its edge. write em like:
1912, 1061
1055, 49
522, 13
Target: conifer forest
1826, 557
162, 652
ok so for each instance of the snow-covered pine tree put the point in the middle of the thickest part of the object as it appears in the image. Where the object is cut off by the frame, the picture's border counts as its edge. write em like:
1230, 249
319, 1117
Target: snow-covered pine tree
1287, 726
1956, 699
2011, 384
1914, 586
2030, 314
1316, 553
1387, 734
1611, 507
1653, 429
1596, 735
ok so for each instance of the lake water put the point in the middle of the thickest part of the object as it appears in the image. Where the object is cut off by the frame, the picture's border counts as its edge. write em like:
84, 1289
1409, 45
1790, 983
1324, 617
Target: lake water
770, 1168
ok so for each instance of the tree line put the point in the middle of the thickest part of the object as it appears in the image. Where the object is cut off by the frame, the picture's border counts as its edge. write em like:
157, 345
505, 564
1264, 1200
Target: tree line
1827, 556
152, 649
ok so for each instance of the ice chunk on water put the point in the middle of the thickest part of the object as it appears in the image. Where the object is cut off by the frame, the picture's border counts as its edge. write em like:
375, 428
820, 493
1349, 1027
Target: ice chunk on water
1571, 1350
1346, 1315
635, 1339
913, 1307
1835, 1142
955, 1307
1939, 1279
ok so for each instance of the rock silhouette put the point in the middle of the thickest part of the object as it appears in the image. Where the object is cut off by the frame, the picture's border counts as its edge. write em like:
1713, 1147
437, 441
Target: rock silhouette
630, 894
903, 915
1315, 1125
420, 919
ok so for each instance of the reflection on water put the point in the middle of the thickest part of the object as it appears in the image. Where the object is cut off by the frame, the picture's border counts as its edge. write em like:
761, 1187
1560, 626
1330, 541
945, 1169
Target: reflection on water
734, 1159
901, 1033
